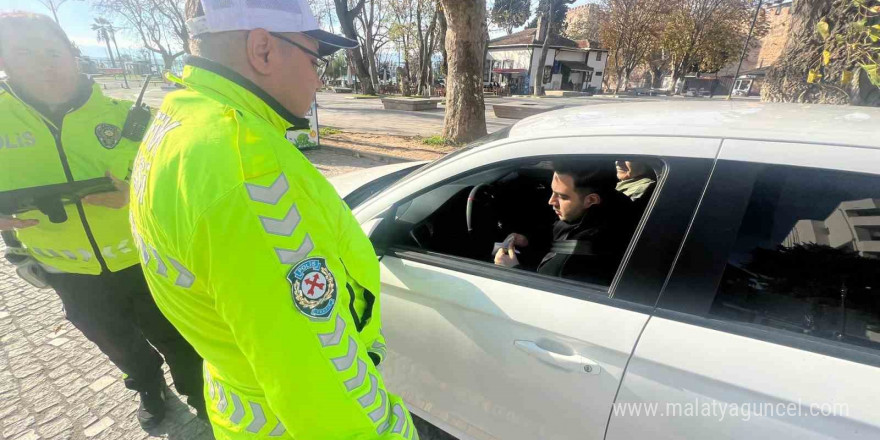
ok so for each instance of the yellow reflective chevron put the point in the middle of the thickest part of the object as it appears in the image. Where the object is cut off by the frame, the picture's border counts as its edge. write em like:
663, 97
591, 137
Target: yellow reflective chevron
252, 255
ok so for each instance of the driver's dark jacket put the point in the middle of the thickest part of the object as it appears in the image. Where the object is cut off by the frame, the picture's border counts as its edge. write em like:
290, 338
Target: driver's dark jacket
602, 236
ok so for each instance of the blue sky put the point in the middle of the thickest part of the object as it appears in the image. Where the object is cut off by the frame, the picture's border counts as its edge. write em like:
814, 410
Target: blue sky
75, 17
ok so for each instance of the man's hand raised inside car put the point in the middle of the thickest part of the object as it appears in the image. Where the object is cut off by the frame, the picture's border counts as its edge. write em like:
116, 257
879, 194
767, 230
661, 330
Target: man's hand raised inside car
507, 257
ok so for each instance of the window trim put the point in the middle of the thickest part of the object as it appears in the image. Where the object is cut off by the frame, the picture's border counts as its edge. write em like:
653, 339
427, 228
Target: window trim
672, 166
531, 280
634, 240
837, 349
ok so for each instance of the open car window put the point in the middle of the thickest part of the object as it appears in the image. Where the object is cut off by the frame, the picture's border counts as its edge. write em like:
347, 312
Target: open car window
469, 216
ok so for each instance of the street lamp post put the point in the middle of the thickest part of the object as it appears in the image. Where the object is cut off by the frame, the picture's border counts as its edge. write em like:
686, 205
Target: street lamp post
745, 47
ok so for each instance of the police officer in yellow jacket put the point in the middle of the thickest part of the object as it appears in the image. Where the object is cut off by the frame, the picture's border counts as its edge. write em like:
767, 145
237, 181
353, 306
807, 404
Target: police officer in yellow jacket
56, 127
248, 249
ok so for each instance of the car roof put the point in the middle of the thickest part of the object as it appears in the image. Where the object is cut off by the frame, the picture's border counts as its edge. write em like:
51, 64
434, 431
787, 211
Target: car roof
806, 123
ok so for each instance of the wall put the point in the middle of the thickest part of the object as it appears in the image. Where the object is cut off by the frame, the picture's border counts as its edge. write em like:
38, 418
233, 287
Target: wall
590, 15
565, 55
598, 66
774, 41
807, 231
837, 230
520, 57
769, 48
520, 60
536, 58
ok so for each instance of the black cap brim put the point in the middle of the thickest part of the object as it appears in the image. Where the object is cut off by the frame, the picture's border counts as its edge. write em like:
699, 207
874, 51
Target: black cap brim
330, 43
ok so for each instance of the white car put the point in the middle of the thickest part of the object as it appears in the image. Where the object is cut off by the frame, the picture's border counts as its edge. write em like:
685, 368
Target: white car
746, 306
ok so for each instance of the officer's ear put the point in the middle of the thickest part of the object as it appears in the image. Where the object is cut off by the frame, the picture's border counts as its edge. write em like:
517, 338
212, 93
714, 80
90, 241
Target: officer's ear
260, 46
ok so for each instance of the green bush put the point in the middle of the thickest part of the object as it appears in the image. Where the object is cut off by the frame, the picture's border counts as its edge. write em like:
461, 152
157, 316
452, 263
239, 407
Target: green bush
435, 140
329, 131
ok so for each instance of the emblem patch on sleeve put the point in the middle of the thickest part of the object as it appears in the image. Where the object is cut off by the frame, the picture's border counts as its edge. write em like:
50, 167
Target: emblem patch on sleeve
313, 288
108, 135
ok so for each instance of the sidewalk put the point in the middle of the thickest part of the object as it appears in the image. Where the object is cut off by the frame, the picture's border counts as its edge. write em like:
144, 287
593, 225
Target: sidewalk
55, 384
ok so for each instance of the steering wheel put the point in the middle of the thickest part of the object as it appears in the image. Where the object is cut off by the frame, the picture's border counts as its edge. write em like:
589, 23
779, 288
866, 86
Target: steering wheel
472, 198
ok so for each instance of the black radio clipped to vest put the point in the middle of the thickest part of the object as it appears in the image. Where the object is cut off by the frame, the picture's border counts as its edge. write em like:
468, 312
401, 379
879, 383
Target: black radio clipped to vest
138, 116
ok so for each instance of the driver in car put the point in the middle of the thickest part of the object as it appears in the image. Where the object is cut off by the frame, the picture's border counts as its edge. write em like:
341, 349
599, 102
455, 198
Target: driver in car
594, 228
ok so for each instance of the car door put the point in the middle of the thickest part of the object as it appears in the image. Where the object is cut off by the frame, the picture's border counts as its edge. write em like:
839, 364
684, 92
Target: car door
487, 352
770, 324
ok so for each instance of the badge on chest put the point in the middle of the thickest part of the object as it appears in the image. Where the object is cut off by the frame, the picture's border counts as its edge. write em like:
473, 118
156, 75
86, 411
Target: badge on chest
108, 135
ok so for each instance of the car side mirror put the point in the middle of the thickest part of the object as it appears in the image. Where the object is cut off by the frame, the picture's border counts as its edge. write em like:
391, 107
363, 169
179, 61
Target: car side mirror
378, 230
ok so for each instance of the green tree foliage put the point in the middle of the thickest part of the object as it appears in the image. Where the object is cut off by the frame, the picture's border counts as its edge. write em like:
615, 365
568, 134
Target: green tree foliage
856, 43
831, 56
705, 35
560, 9
510, 14
629, 31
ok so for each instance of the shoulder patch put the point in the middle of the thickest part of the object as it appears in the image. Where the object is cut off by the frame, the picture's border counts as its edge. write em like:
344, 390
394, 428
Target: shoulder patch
108, 135
313, 288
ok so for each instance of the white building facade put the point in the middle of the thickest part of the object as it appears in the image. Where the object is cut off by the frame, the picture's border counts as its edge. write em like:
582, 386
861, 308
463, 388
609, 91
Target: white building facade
854, 225
513, 61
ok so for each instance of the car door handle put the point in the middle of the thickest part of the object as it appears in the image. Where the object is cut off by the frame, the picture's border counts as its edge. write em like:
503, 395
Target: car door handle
573, 362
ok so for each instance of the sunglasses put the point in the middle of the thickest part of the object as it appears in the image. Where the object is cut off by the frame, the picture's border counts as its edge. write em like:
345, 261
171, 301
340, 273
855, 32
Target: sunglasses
318, 61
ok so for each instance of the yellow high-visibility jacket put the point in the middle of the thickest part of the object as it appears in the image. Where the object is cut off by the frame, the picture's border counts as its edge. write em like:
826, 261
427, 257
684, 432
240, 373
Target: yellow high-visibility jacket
85, 144
253, 256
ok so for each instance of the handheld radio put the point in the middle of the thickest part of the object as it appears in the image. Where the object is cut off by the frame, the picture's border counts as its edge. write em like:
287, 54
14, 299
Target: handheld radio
138, 116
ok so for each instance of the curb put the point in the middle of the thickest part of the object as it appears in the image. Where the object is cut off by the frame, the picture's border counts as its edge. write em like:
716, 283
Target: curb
379, 157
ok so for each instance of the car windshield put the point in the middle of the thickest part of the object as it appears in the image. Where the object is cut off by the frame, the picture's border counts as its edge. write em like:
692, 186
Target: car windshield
500, 134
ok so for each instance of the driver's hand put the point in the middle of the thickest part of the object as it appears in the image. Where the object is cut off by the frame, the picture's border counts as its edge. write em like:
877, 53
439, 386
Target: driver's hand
115, 199
518, 239
12, 223
507, 257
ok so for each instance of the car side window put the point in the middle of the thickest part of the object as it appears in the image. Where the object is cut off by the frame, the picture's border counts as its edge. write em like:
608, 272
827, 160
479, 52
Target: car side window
802, 256
478, 213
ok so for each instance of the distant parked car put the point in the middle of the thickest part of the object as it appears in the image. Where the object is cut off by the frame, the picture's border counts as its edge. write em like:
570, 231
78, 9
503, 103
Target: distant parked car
745, 307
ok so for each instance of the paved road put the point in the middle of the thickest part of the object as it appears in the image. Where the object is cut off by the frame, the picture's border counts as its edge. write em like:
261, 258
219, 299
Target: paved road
368, 115
55, 384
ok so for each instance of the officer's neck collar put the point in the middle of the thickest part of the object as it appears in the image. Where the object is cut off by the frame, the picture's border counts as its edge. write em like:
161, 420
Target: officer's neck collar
79, 99
241, 81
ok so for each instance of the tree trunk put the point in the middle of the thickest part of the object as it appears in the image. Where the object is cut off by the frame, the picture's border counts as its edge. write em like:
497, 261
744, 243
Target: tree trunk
656, 78
370, 55
442, 41
167, 60
425, 81
346, 22
425, 42
786, 80
374, 71
369, 48
465, 109
542, 61
121, 61
110, 52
